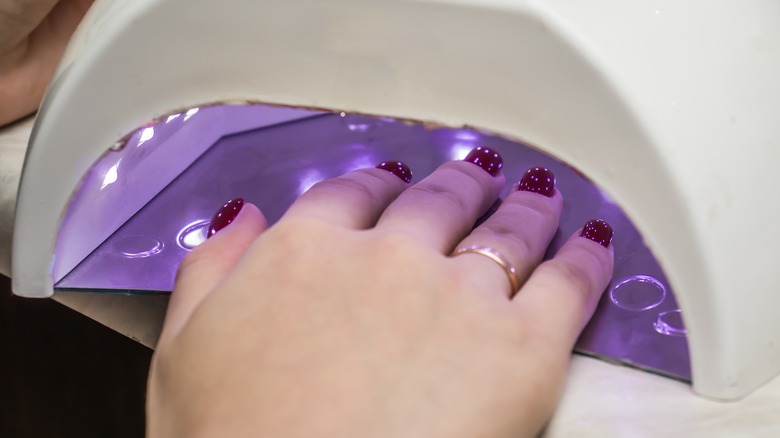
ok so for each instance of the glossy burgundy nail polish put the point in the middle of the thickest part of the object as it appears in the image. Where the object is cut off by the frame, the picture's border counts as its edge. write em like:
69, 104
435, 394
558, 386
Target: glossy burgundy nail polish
398, 169
538, 180
225, 215
598, 231
486, 158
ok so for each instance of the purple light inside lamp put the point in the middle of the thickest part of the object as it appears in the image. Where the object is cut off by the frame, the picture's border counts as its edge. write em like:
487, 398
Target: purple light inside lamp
637, 321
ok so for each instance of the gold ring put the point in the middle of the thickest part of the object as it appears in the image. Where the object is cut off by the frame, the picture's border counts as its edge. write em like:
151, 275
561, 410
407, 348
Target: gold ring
496, 256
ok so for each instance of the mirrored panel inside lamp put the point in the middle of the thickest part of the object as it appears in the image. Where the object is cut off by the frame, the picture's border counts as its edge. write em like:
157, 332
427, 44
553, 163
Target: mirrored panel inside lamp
271, 161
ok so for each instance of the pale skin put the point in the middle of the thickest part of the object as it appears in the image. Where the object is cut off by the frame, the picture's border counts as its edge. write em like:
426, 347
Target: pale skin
347, 318
33, 35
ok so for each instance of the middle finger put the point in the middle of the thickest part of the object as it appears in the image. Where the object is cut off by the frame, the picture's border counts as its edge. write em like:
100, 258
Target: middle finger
443, 207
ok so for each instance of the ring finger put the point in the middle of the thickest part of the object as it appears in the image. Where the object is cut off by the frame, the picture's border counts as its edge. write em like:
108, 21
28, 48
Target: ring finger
502, 252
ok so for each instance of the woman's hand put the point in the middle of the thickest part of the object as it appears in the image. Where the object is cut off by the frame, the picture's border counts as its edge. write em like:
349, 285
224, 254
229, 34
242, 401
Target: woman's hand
349, 317
33, 35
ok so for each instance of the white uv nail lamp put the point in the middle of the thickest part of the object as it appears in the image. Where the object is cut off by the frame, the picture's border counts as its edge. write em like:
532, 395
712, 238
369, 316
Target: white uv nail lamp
660, 117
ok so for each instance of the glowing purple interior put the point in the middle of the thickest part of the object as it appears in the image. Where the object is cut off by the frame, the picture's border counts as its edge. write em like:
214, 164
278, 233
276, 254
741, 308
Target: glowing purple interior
271, 160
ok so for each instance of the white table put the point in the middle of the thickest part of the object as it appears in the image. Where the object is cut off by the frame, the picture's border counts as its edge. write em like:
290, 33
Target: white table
601, 400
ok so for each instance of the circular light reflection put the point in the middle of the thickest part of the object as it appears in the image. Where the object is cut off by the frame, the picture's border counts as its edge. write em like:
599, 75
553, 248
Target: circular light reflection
136, 247
637, 293
670, 323
193, 234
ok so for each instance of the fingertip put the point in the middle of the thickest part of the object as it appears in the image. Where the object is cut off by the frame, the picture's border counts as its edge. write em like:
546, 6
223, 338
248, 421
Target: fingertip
538, 179
208, 264
487, 159
596, 258
492, 183
397, 168
599, 231
236, 216
548, 205
251, 219
225, 245
603, 251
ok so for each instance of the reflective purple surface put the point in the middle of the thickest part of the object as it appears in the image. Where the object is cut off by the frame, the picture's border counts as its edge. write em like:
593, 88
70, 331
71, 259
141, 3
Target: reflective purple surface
135, 170
636, 321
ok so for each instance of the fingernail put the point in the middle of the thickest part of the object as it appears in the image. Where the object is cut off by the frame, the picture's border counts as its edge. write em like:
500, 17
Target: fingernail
225, 215
486, 158
398, 169
538, 180
598, 231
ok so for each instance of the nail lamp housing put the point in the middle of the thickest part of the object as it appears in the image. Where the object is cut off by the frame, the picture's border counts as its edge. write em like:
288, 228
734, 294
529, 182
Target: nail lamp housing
670, 108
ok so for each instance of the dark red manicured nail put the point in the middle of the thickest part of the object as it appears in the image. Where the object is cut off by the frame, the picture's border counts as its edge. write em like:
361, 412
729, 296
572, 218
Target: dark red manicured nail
598, 231
487, 159
538, 180
225, 215
398, 169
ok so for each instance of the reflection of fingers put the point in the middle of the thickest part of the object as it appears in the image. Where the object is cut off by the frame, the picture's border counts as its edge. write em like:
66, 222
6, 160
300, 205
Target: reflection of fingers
443, 207
354, 200
520, 231
561, 294
207, 265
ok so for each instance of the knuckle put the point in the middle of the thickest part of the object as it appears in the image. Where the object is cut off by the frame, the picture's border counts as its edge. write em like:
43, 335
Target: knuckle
536, 208
573, 277
506, 233
360, 185
469, 174
440, 192
455, 186
516, 239
522, 247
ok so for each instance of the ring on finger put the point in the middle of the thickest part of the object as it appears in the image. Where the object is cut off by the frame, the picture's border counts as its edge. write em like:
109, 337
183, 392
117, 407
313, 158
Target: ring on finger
496, 256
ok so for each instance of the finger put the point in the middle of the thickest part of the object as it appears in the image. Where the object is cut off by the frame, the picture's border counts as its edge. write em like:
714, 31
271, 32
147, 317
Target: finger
520, 231
207, 265
561, 295
354, 200
443, 207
